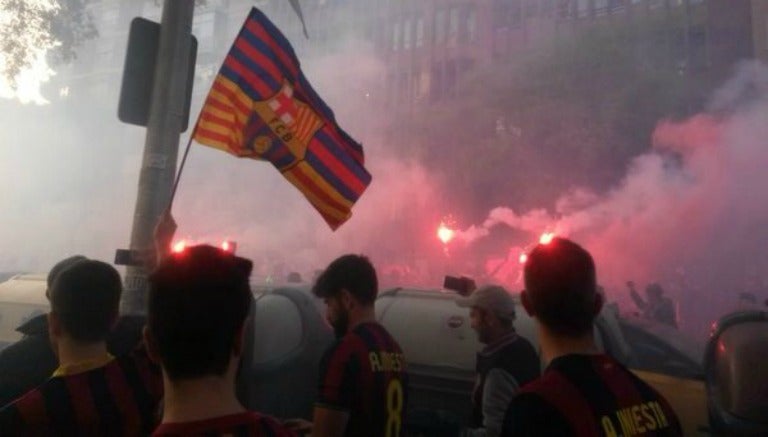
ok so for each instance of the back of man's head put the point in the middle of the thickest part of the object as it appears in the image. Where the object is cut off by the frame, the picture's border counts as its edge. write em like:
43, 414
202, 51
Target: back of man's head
353, 273
198, 302
61, 266
85, 297
561, 287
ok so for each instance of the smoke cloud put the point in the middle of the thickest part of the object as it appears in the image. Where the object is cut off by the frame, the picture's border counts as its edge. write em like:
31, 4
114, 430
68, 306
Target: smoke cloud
691, 213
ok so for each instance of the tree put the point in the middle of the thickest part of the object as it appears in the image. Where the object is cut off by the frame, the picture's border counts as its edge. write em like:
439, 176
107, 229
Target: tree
57, 27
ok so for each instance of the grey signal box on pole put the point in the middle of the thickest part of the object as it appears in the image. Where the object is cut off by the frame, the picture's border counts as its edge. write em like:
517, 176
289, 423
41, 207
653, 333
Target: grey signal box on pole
139, 70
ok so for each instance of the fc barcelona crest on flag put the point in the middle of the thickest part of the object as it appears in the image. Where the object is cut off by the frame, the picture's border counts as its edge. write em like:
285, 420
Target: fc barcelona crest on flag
288, 126
261, 106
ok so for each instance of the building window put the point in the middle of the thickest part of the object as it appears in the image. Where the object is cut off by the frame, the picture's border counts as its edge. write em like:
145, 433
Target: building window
472, 25
396, 36
582, 8
436, 83
407, 34
601, 7
453, 26
516, 13
531, 8
440, 24
419, 32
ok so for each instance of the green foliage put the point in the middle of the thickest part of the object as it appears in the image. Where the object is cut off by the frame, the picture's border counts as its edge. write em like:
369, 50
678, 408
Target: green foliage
31, 26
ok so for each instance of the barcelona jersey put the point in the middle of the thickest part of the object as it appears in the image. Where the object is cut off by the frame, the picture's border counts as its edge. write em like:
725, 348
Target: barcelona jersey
589, 395
364, 374
120, 398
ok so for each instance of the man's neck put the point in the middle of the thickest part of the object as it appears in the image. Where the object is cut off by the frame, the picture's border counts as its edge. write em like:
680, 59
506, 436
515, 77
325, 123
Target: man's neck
554, 346
497, 335
200, 399
362, 315
73, 353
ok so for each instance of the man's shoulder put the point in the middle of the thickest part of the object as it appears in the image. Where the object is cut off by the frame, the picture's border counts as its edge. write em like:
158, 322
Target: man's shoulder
249, 423
519, 358
26, 410
529, 414
520, 344
540, 387
364, 337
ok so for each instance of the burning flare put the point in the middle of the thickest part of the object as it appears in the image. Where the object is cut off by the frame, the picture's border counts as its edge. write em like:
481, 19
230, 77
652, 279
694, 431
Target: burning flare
546, 238
445, 234
179, 246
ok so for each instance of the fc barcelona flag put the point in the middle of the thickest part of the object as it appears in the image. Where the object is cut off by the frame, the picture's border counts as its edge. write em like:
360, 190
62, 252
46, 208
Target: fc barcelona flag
262, 107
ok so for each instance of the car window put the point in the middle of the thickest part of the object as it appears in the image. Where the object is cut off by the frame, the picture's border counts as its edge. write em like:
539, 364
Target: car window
277, 328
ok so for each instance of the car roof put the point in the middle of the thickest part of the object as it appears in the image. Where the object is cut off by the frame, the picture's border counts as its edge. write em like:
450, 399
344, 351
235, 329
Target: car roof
691, 348
25, 289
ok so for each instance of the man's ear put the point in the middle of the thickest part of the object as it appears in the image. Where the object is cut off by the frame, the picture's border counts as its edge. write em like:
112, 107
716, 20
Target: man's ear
239, 343
347, 300
149, 343
54, 325
526, 301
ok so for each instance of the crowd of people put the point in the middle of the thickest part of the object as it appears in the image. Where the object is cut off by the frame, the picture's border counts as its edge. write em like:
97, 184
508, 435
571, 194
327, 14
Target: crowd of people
174, 374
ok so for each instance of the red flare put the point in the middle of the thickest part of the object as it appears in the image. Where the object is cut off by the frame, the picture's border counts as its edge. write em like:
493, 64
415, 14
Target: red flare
445, 234
546, 238
179, 246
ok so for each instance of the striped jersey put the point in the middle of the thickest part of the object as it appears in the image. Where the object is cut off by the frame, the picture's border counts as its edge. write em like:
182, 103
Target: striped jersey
589, 395
247, 424
364, 374
119, 398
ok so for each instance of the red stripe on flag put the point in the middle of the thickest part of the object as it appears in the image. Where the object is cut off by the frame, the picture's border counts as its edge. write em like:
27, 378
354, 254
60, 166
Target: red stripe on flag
207, 116
338, 168
202, 134
290, 64
230, 94
263, 35
215, 104
252, 78
310, 185
260, 59
336, 137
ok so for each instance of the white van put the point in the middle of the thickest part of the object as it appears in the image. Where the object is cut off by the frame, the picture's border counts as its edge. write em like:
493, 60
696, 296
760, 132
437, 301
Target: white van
21, 298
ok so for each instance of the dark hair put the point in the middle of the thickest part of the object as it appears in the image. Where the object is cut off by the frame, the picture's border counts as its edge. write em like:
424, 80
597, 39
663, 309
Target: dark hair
561, 285
198, 302
61, 266
353, 273
86, 298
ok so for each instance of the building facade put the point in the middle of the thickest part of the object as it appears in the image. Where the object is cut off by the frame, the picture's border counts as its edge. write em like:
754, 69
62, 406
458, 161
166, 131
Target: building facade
430, 45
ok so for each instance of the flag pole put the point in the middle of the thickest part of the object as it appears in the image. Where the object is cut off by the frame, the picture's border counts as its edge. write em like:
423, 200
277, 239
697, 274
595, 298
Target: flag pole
181, 168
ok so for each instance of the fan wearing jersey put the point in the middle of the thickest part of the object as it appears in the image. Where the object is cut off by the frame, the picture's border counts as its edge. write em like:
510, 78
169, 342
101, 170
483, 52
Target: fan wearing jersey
363, 380
582, 392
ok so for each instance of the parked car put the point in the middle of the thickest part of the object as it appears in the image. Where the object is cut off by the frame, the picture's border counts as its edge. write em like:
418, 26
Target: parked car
22, 297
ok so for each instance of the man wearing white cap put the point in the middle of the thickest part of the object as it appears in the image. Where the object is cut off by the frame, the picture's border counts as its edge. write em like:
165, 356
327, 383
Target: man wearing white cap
507, 362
